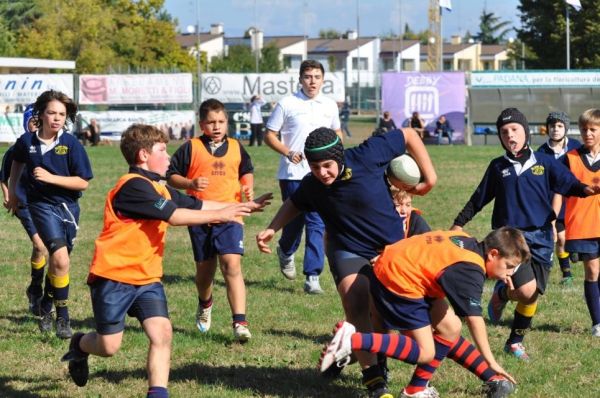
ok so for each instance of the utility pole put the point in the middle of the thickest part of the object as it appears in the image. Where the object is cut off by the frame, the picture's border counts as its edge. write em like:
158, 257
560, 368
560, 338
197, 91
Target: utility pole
434, 47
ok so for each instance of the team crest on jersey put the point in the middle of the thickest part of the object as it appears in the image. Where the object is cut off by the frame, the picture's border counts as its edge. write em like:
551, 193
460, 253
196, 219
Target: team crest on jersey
538, 170
218, 168
457, 241
61, 149
505, 172
160, 204
32, 149
347, 174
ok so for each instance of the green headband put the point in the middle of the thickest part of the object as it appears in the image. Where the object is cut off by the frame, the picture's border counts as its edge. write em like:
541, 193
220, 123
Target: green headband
321, 148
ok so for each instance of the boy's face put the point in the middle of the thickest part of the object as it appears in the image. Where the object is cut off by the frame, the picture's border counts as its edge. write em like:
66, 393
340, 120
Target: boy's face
215, 125
54, 117
326, 171
403, 206
590, 135
311, 82
31, 125
556, 131
498, 267
157, 160
513, 137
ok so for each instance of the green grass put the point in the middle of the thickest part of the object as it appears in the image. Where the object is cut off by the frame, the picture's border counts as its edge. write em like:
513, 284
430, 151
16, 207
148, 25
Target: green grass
288, 326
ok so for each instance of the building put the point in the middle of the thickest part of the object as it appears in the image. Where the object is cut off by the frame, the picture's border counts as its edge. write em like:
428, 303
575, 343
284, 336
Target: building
400, 55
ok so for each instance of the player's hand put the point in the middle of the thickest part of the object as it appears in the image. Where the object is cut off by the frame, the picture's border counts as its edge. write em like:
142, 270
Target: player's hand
295, 157
248, 192
420, 189
12, 204
592, 190
234, 212
263, 238
499, 370
258, 204
199, 183
43, 175
456, 228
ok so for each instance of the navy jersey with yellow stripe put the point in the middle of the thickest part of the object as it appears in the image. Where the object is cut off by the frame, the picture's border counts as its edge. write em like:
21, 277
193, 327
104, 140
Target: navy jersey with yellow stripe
67, 158
357, 209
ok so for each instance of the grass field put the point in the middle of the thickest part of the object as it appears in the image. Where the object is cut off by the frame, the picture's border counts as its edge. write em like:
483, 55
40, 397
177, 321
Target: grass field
288, 326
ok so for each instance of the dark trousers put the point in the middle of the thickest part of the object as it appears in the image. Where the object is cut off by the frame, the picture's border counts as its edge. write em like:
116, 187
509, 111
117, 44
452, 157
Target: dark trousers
256, 134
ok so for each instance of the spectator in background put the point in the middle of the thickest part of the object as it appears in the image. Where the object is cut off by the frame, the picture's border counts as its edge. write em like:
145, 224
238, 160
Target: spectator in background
345, 118
386, 123
256, 120
93, 132
417, 123
442, 128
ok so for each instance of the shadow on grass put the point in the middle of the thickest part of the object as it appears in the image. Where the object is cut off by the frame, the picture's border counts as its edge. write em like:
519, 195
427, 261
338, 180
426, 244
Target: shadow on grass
298, 334
261, 381
7, 391
268, 284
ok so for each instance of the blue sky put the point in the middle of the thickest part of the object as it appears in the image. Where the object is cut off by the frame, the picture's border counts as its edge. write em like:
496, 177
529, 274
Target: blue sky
298, 17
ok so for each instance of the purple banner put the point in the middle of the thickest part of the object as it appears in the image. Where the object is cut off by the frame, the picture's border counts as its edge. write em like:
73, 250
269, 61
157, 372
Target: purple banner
430, 94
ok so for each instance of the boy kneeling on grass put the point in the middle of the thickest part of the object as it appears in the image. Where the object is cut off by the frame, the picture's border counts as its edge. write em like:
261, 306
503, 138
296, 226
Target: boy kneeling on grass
126, 270
409, 283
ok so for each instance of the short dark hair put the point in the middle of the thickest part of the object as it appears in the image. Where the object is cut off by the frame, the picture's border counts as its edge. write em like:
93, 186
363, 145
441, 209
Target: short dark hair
138, 137
210, 105
41, 103
311, 64
509, 242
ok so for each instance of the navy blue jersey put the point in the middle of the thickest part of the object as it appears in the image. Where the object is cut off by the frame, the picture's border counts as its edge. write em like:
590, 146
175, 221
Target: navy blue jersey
5, 175
66, 158
357, 209
545, 148
523, 201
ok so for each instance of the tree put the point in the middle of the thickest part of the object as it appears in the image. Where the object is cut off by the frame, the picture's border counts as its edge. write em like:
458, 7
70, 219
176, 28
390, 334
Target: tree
269, 60
329, 34
491, 29
7, 40
104, 35
544, 33
238, 60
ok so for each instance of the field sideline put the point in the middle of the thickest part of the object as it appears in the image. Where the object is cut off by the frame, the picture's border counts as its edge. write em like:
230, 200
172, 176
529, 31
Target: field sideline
288, 326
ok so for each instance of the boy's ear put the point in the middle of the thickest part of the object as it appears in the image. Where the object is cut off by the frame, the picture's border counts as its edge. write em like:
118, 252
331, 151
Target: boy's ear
493, 253
142, 156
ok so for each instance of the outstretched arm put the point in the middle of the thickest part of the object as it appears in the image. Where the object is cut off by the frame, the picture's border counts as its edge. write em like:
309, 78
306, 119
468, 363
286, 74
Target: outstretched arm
287, 212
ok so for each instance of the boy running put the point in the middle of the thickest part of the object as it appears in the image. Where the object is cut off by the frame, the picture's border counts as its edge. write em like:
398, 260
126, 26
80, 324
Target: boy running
522, 183
125, 273
216, 167
58, 171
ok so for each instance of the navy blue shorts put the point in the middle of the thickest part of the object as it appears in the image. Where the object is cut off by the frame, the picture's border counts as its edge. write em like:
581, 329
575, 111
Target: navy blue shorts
24, 216
588, 249
57, 224
398, 313
112, 300
541, 246
343, 263
208, 241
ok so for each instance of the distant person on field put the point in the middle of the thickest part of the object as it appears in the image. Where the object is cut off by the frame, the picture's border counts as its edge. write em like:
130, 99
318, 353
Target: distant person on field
345, 118
216, 167
582, 215
256, 120
443, 129
293, 118
558, 144
410, 282
522, 182
341, 187
126, 270
38, 251
93, 132
58, 170
417, 123
386, 123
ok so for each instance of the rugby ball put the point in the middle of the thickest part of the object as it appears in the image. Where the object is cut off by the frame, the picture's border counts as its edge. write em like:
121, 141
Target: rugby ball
403, 172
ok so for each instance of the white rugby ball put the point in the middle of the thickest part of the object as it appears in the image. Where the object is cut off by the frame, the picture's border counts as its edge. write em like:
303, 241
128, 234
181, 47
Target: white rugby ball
403, 172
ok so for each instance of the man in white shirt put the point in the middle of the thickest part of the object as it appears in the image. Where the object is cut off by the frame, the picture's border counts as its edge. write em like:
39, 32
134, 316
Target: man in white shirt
293, 119
256, 120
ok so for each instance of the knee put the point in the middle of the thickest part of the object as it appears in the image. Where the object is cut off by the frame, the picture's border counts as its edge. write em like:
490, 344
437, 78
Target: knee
163, 336
109, 347
426, 355
231, 270
526, 294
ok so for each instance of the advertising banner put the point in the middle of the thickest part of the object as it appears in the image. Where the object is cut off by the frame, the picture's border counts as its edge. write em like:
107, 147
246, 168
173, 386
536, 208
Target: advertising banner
430, 94
536, 79
113, 123
240, 87
25, 88
11, 126
167, 88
